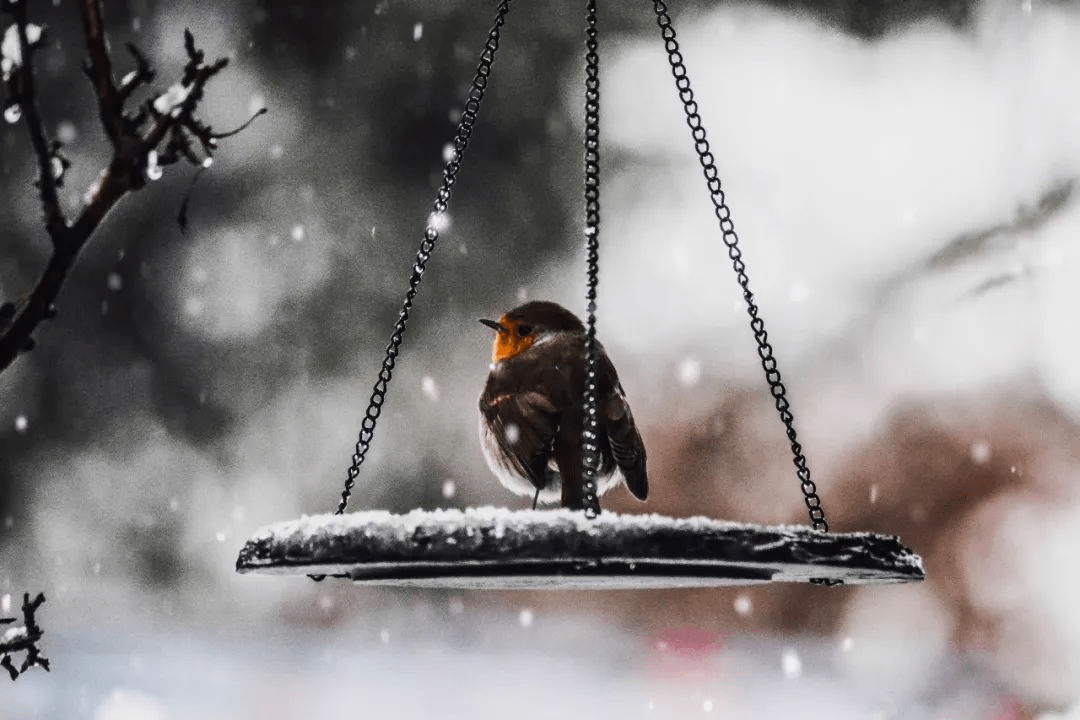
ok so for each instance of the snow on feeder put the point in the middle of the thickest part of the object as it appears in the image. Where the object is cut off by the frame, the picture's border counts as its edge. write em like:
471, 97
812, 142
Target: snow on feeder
498, 548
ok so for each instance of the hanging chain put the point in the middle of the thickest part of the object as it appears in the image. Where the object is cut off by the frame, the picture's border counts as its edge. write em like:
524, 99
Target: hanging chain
731, 240
590, 449
427, 245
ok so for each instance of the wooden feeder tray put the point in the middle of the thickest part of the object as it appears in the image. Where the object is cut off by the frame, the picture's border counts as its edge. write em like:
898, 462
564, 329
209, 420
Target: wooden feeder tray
503, 549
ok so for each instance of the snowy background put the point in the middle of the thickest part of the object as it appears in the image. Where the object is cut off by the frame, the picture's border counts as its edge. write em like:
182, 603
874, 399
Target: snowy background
903, 176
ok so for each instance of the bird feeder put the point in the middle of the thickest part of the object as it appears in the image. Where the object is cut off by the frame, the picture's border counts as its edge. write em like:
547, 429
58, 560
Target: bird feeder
499, 548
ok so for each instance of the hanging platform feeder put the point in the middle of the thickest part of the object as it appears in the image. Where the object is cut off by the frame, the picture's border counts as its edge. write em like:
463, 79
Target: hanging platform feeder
490, 548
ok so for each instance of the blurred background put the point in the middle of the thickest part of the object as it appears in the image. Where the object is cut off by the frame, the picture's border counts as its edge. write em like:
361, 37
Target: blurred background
902, 174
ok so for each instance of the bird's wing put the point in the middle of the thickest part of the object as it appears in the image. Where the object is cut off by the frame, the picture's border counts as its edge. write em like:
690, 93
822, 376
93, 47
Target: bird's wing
524, 426
626, 445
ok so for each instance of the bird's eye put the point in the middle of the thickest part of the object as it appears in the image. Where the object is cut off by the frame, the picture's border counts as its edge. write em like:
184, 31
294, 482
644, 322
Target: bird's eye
524, 330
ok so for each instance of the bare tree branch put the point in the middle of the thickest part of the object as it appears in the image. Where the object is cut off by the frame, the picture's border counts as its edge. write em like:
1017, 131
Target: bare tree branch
160, 132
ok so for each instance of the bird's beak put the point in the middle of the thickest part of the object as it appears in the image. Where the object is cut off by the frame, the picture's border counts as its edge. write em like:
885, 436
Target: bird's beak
493, 325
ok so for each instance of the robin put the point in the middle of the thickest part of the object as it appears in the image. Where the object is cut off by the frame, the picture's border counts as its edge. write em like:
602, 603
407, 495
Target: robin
532, 414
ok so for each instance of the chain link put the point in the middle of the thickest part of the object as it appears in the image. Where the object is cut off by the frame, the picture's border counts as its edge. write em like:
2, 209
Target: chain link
427, 245
590, 449
731, 240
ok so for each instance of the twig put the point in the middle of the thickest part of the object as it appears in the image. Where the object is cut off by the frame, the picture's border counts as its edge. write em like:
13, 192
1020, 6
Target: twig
160, 132
23, 93
24, 640
99, 70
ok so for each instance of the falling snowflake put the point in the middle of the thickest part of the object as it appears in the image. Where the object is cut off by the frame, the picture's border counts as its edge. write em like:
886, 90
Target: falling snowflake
439, 221
791, 664
66, 132
689, 372
798, 292
429, 388
256, 103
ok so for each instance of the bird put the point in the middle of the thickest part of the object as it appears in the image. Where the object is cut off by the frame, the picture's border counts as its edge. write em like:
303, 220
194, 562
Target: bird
532, 410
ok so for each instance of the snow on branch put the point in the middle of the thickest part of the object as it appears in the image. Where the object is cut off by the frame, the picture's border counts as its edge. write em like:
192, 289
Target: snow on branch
23, 639
162, 129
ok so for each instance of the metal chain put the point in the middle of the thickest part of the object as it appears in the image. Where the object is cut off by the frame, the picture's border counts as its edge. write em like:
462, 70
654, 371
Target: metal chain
590, 449
427, 245
731, 240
